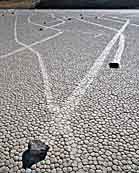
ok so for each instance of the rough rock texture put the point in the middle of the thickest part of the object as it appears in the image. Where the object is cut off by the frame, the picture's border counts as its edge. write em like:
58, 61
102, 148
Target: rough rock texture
36, 152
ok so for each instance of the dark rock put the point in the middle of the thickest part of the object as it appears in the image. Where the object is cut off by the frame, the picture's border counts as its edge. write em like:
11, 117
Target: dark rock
114, 65
41, 29
36, 152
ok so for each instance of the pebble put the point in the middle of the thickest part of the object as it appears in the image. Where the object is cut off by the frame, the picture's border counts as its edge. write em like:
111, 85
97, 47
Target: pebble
28, 171
53, 171
4, 169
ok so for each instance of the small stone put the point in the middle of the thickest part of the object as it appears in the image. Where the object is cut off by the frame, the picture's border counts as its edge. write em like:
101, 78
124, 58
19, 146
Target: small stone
28, 171
4, 170
16, 158
80, 171
93, 154
20, 165
116, 162
89, 158
74, 164
15, 168
38, 170
53, 171
80, 165
53, 160
109, 169
68, 148
75, 168
114, 167
108, 153
59, 170
33, 171
33, 167
69, 169
23, 171
65, 170
91, 171
137, 152
124, 162
85, 161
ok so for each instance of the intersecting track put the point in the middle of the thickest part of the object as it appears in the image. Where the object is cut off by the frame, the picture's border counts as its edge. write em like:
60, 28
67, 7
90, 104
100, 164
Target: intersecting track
83, 85
44, 73
75, 97
62, 115
99, 62
62, 120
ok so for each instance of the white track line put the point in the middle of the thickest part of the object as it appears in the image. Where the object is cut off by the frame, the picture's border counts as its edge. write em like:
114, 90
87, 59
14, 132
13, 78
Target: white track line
31, 45
62, 119
75, 97
132, 15
46, 27
92, 23
98, 35
12, 53
29, 21
63, 22
44, 73
113, 20
132, 24
82, 32
118, 18
52, 15
119, 52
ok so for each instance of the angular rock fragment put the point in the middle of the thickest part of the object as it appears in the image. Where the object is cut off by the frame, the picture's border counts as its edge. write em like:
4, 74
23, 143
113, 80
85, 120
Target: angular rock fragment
35, 153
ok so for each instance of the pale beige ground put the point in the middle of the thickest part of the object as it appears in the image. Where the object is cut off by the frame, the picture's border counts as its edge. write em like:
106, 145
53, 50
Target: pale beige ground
16, 4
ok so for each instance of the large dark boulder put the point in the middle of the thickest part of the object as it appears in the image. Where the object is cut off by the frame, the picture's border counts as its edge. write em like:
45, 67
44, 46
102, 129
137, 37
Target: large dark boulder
35, 153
